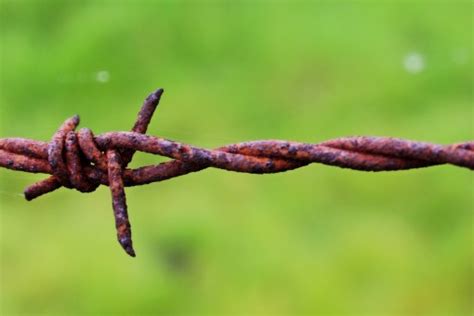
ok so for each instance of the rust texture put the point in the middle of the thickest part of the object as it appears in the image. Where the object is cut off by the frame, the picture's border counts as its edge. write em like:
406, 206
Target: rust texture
79, 160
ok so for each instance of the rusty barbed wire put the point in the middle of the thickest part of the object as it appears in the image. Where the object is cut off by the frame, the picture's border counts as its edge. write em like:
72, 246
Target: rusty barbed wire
82, 161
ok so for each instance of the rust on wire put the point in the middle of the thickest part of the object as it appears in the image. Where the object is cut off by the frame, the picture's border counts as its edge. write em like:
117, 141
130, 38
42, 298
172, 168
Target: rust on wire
82, 161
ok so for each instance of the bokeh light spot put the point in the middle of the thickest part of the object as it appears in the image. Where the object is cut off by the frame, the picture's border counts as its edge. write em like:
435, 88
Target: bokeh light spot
103, 76
414, 63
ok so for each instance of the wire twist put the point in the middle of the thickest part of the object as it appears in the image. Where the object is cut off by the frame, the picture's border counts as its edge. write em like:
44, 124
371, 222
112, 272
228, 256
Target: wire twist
79, 160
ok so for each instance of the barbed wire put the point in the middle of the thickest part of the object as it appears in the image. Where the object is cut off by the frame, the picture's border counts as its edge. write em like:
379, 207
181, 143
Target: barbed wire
82, 161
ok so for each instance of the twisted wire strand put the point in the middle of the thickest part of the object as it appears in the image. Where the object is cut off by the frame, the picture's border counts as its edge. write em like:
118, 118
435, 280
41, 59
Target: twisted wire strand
79, 160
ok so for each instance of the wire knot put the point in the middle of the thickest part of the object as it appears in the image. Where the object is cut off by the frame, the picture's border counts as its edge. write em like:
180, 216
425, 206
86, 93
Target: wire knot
66, 159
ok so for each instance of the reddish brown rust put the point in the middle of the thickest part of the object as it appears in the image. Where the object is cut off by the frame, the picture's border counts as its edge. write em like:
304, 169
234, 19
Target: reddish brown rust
119, 203
25, 163
90, 150
42, 187
143, 120
83, 161
74, 166
26, 147
56, 149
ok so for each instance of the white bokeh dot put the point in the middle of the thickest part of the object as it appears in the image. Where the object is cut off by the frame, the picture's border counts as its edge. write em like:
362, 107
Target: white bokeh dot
414, 62
102, 76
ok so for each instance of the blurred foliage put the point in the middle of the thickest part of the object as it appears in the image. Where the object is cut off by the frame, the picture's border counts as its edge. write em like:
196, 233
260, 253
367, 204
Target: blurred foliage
318, 240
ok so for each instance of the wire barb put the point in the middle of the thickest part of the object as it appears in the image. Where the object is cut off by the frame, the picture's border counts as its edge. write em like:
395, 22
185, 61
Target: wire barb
82, 161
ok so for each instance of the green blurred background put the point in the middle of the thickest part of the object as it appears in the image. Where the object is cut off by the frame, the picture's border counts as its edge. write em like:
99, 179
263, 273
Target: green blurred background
318, 240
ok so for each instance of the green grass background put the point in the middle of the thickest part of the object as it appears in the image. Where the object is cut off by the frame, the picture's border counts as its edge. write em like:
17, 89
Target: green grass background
315, 241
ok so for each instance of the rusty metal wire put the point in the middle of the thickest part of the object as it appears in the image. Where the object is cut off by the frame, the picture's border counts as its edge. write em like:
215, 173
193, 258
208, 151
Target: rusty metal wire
82, 161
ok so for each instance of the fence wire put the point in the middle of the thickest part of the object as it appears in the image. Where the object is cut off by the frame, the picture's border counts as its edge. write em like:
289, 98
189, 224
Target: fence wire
79, 160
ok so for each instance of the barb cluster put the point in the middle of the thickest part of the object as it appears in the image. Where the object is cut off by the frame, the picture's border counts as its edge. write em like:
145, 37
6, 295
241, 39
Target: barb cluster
82, 161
